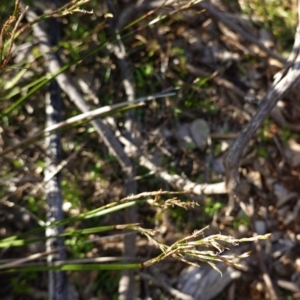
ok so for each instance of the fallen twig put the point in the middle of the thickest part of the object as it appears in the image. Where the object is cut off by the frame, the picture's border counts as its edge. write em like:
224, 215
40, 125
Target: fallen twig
249, 210
160, 283
176, 181
211, 9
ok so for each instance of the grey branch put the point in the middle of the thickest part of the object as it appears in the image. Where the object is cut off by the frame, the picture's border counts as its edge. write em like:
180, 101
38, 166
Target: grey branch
287, 79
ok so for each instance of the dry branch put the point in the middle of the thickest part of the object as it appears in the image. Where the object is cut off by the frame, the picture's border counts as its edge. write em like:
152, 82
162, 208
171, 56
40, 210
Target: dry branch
284, 82
68, 87
176, 181
126, 284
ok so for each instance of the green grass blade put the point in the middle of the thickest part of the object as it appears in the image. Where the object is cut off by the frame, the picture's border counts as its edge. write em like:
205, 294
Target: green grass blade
19, 240
74, 267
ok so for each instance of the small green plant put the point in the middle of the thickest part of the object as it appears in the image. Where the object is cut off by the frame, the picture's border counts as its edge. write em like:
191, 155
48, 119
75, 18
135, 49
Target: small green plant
211, 206
264, 133
262, 152
71, 192
276, 16
241, 220
20, 287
